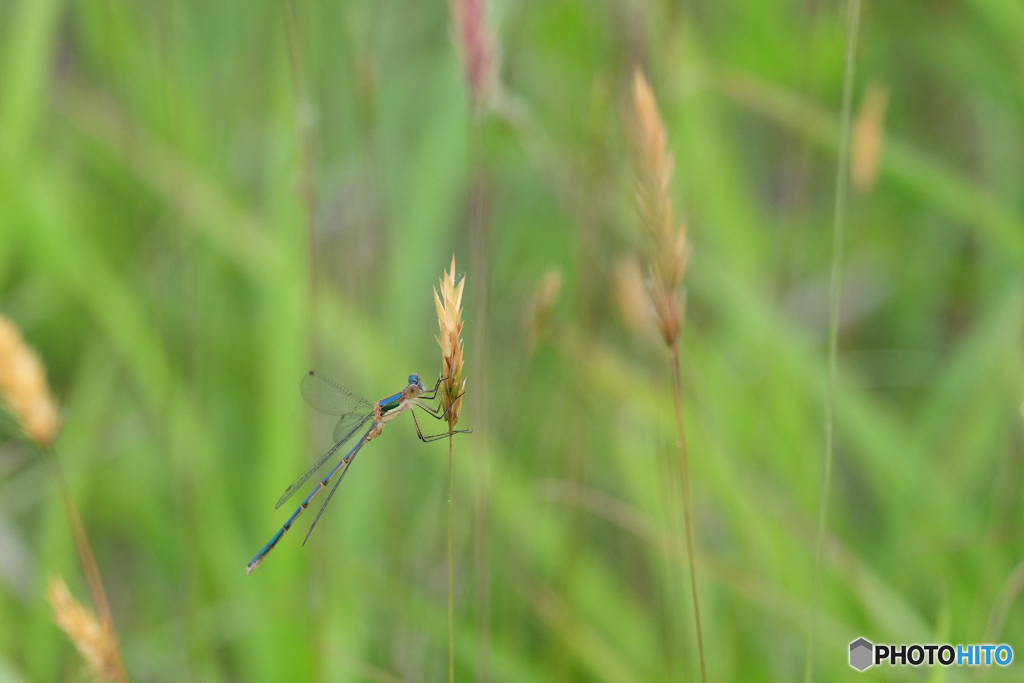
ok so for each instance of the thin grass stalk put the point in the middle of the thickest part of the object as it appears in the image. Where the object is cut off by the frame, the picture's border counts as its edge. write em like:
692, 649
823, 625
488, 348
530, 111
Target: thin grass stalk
303, 123
474, 44
684, 473
479, 235
304, 135
81, 540
88, 560
835, 302
452, 388
26, 395
451, 562
668, 252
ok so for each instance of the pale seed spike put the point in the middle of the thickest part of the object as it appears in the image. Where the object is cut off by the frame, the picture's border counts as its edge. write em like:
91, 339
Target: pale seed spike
668, 249
23, 386
449, 318
97, 644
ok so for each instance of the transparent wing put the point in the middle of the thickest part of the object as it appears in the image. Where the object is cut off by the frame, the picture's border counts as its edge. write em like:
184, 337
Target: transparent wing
332, 398
297, 484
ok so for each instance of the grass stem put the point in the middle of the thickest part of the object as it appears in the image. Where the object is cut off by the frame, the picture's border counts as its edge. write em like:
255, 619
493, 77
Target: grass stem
86, 557
451, 563
835, 301
684, 473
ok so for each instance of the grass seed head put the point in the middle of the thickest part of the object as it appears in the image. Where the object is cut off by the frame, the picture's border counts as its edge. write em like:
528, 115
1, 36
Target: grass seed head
449, 318
668, 248
97, 644
868, 138
23, 386
473, 41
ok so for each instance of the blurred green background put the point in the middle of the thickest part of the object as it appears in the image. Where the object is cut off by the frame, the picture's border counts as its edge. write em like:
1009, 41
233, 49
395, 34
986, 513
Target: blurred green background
201, 201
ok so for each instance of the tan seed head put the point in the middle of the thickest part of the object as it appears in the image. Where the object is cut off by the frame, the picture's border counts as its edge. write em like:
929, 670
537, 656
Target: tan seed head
23, 386
449, 318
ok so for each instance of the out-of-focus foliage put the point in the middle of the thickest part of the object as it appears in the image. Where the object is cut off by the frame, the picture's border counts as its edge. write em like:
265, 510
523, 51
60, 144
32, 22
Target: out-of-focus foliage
201, 201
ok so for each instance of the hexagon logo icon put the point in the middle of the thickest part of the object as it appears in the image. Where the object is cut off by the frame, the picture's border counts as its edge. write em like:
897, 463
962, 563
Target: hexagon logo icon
860, 654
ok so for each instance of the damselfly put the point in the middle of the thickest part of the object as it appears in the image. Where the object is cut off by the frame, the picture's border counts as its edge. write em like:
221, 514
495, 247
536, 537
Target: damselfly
330, 397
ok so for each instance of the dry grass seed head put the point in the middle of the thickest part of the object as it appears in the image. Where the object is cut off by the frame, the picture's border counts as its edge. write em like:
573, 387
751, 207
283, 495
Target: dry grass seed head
868, 138
668, 246
449, 318
96, 644
26, 394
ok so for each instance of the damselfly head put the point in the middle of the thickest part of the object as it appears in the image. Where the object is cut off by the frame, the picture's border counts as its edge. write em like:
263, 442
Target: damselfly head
414, 381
